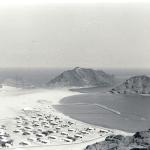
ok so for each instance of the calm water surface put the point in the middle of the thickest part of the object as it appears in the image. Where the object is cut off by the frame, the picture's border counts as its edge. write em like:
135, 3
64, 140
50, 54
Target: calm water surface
125, 112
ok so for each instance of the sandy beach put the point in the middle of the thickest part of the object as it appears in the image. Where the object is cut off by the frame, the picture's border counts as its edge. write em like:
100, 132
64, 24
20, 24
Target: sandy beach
13, 99
30, 122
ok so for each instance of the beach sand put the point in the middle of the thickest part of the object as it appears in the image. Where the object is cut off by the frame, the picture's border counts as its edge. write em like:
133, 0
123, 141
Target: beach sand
13, 101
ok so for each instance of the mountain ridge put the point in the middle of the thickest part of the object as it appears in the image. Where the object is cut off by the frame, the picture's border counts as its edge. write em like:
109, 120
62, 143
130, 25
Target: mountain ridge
81, 77
134, 85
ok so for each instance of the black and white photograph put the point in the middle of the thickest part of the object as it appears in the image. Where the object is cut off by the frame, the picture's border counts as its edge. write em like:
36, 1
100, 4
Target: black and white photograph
74, 74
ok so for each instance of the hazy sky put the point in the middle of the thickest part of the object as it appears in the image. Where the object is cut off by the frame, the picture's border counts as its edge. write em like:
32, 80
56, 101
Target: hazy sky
103, 35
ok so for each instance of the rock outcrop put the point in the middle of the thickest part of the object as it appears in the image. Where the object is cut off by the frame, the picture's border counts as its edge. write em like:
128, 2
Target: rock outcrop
139, 141
134, 85
82, 77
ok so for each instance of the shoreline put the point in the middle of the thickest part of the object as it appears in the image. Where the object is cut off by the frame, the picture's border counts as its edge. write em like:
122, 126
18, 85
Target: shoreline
55, 100
78, 93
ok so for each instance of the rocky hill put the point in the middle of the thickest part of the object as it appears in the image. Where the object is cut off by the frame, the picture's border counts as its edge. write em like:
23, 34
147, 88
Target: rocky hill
82, 77
134, 85
139, 141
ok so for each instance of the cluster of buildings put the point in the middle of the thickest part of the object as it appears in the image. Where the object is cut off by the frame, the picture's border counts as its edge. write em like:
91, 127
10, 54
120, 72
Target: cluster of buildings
46, 126
5, 139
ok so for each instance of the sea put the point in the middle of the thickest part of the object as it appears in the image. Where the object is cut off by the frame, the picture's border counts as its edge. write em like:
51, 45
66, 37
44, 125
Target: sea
35, 76
95, 105
129, 113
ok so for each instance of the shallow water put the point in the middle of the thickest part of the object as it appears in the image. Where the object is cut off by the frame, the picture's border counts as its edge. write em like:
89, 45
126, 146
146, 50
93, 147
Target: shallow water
126, 112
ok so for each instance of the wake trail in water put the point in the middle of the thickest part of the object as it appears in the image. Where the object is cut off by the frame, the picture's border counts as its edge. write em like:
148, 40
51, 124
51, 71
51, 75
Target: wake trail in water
107, 108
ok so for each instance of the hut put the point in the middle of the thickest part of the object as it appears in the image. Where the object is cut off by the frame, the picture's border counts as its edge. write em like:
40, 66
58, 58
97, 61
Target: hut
68, 140
23, 143
52, 137
25, 133
64, 133
77, 136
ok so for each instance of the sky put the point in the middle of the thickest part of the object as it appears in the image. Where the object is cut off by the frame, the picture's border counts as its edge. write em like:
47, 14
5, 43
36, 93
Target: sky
61, 33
